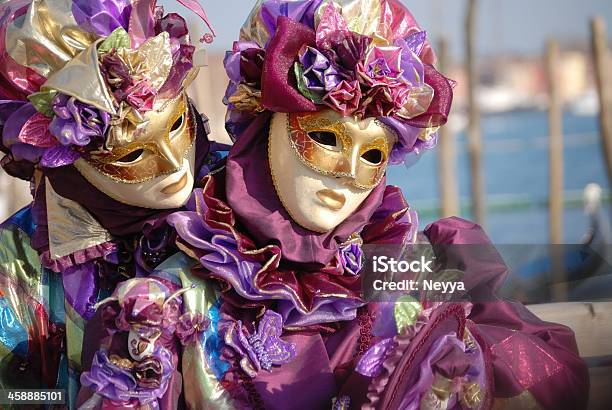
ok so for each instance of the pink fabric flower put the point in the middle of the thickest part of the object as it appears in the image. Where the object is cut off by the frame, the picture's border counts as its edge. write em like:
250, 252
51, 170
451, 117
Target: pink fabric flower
141, 96
383, 64
384, 100
344, 98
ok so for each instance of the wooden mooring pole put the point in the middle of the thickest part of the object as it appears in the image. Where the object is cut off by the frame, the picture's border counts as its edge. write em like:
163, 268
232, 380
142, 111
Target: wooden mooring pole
555, 124
601, 57
447, 157
474, 135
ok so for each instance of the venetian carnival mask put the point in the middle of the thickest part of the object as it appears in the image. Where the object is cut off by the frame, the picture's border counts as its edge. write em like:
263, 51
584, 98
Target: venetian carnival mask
151, 164
108, 97
358, 81
325, 165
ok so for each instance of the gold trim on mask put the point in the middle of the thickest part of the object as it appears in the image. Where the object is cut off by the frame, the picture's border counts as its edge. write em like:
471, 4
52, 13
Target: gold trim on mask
157, 149
345, 160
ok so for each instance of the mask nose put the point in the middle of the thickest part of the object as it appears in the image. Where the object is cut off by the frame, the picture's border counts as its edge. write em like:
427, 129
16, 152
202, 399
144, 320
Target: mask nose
354, 161
170, 156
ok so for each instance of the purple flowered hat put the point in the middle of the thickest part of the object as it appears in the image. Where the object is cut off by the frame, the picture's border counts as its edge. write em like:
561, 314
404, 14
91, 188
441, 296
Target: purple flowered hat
360, 58
72, 70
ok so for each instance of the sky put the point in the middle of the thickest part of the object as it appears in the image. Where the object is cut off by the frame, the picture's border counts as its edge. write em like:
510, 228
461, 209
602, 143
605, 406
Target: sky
504, 26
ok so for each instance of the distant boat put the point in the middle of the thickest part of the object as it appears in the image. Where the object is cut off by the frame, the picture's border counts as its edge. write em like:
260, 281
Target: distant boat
587, 267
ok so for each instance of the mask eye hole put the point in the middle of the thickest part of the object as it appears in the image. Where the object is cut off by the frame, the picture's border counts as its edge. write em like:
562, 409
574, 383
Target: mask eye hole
373, 157
177, 124
131, 157
324, 138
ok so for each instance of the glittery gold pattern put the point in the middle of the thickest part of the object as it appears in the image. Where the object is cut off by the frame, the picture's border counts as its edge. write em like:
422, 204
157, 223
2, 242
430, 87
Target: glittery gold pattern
159, 144
346, 158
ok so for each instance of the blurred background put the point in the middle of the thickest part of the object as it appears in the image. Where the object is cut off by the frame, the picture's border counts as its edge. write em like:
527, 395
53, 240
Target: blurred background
510, 113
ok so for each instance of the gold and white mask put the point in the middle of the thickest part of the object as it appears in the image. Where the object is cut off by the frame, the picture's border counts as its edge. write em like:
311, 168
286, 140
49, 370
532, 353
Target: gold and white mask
151, 162
325, 165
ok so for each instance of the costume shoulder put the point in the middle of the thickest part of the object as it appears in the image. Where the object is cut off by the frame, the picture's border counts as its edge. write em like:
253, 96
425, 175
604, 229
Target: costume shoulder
531, 358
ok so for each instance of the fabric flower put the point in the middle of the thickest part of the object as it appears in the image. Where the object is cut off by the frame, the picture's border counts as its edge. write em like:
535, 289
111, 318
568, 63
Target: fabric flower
344, 98
141, 96
348, 52
351, 258
319, 74
117, 75
383, 64
190, 326
122, 381
382, 100
262, 349
77, 123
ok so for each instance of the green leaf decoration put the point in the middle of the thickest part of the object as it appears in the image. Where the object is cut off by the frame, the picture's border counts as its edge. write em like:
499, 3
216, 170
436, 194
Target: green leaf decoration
406, 312
42, 102
117, 39
301, 83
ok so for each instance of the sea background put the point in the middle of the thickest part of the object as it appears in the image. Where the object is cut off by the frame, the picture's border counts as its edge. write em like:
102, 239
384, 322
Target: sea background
515, 160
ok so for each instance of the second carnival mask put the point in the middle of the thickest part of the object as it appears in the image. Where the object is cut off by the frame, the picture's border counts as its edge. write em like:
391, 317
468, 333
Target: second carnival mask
152, 163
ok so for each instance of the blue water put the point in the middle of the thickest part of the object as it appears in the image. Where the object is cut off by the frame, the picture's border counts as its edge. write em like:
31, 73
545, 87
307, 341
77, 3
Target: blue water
516, 173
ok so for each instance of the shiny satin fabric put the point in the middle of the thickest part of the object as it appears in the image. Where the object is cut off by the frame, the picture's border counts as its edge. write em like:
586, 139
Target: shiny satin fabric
348, 157
202, 388
81, 78
31, 311
73, 228
47, 36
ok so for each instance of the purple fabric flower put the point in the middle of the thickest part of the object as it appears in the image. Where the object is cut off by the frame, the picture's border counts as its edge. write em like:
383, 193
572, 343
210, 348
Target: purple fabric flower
382, 65
412, 67
348, 52
110, 381
264, 348
344, 98
77, 123
140, 95
145, 381
102, 17
319, 74
190, 326
351, 258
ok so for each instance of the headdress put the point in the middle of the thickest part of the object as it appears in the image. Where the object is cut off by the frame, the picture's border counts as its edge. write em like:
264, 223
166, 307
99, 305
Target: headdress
362, 58
73, 71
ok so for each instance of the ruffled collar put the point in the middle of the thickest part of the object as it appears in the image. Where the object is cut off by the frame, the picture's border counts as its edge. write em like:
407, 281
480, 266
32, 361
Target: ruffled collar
211, 232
